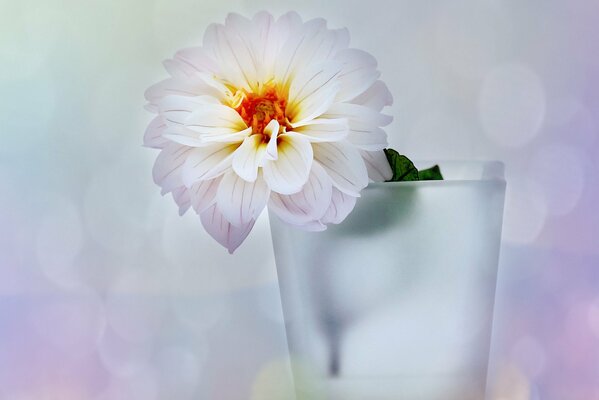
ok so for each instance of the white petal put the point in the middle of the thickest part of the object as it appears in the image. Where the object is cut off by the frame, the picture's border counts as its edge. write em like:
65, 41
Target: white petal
341, 205
344, 164
299, 37
233, 56
272, 129
358, 74
179, 69
366, 137
312, 92
324, 130
307, 44
289, 172
153, 136
203, 194
168, 166
207, 162
183, 135
198, 59
223, 231
376, 97
356, 113
215, 120
177, 86
266, 39
377, 165
241, 201
182, 198
233, 137
248, 157
309, 204
239, 34
176, 109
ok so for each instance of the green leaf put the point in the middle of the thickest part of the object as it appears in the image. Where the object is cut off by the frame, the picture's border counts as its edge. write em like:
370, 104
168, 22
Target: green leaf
431, 174
403, 169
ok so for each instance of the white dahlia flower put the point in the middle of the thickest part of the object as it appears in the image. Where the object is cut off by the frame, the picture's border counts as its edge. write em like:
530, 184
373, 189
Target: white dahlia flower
268, 112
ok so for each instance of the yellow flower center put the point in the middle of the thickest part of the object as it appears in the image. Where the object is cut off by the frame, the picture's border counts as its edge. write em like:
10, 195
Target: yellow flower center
258, 109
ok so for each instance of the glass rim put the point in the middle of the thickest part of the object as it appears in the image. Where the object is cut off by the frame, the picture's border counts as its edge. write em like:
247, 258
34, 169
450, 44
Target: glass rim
486, 172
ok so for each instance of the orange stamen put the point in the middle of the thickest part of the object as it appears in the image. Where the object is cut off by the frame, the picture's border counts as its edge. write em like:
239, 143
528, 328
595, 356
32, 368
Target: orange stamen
258, 109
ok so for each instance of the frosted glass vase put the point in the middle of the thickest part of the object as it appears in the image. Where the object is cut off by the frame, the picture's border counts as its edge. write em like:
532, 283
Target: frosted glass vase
397, 301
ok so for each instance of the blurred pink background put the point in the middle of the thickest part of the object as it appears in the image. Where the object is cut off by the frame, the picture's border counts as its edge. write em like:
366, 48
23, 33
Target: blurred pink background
106, 293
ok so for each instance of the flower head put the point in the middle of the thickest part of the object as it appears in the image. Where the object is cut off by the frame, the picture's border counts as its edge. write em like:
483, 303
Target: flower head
268, 112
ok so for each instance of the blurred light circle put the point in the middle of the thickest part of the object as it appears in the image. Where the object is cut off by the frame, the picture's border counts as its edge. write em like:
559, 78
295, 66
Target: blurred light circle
510, 384
71, 321
180, 373
582, 128
199, 265
192, 255
530, 355
200, 313
561, 109
593, 317
512, 104
58, 241
525, 211
122, 357
559, 172
26, 119
117, 205
143, 385
136, 304
274, 381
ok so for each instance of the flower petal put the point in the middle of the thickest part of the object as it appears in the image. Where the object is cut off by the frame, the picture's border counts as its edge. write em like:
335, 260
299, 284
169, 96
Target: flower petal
358, 74
377, 165
197, 59
177, 109
306, 44
207, 162
344, 165
153, 136
324, 130
167, 171
241, 201
232, 54
182, 198
367, 137
272, 129
223, 231
183, 135
180, 87
267, 37
300, 36
312, 93
341, 205
356, 113
248, 157
309, 204
215, 120
376, 97
203, 194
289, 172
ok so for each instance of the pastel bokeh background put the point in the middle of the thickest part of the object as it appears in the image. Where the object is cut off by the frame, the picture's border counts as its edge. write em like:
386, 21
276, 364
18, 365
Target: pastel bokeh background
106, 293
